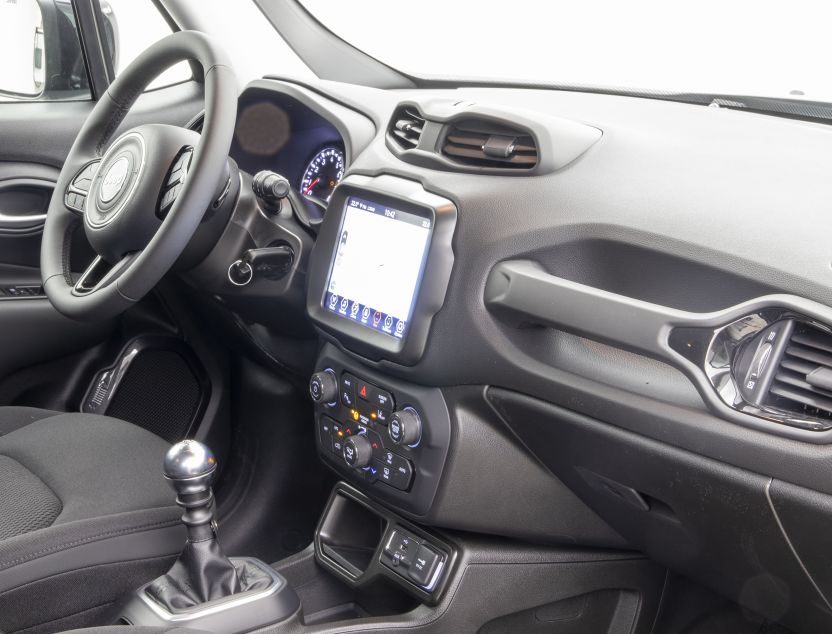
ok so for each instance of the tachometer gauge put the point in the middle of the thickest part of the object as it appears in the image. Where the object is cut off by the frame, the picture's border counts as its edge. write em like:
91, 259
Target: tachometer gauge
324, 172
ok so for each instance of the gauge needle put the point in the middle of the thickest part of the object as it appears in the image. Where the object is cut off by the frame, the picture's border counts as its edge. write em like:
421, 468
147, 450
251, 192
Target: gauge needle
311, 185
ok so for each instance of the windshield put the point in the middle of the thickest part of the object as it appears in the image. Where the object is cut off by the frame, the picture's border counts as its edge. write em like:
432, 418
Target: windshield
741, 47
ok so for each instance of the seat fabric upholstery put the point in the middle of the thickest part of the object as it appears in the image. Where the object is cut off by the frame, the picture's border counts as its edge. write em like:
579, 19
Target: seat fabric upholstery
85, 517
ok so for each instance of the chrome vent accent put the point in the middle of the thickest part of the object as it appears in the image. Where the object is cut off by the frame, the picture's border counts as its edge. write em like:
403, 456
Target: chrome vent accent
406, 127
802, 382
482, 143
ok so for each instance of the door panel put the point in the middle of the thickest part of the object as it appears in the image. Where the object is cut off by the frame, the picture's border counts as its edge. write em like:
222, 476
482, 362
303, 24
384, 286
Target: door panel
35, 137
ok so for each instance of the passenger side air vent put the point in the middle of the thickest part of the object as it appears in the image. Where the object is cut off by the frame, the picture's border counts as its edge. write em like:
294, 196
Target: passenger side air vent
482, 143
406, 127
802, 382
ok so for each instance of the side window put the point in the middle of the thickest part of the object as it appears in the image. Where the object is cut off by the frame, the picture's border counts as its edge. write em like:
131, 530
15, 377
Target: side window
40, 54
40, 51
130, 27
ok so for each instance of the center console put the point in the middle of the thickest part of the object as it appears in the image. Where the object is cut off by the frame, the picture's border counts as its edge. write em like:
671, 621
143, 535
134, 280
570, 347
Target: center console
377, 276
388, 437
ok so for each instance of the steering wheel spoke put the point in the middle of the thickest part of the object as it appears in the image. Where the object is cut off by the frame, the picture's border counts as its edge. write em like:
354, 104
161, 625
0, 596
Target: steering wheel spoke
76, 193
100, 273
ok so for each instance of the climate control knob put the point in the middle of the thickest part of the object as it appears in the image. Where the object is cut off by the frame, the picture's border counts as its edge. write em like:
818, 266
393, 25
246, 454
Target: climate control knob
405, 427
357, 452
323, 387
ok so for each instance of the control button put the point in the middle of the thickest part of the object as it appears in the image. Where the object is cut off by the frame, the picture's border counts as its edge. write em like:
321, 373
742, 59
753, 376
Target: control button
381, 399
760, 361
382, 416
357, 452
338, 438
325, 432
394, 470
402, 474
348, 390
374, 438
401, 548
347, 398
363, 391
170, 197
424, 566
83, 181
405, 427
323, 387
75, 201
180, 168
364, 407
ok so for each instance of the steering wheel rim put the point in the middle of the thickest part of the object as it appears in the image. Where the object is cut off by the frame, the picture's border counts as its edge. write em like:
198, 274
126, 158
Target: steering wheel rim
119, 191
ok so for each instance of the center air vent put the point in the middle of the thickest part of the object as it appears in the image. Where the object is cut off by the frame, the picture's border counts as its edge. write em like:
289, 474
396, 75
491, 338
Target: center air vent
482, 143
802, 382
406, 127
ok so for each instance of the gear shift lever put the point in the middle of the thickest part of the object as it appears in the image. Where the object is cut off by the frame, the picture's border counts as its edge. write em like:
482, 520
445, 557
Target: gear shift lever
202, 572
190, 467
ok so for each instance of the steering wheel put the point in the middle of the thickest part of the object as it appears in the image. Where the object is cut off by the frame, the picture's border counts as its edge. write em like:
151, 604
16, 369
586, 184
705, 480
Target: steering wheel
140, 198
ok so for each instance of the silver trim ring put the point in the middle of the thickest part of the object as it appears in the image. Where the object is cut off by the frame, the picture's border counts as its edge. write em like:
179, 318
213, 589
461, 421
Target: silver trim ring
219, 605
249, 273
113, 214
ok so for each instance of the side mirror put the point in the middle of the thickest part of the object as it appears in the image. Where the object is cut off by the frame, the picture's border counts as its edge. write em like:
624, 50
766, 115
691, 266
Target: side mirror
40, 53
22, 50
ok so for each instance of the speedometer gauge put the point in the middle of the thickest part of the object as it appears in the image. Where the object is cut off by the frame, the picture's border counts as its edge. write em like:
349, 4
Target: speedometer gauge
324, 172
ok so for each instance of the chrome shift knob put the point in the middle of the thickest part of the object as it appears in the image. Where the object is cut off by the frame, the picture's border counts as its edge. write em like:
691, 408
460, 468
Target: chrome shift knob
190, 466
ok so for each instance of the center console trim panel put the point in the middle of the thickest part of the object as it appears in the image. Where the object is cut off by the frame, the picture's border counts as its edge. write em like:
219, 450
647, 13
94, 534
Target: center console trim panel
381, 565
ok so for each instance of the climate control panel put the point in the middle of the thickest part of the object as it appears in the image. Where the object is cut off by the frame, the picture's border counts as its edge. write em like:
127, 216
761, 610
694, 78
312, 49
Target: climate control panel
386, 436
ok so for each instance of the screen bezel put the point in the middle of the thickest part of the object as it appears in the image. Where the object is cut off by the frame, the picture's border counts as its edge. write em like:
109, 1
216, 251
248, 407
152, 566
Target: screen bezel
429, 215
407, 196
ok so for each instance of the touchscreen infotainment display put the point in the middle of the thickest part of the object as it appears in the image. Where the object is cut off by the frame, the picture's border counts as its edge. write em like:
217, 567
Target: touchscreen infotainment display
379, 259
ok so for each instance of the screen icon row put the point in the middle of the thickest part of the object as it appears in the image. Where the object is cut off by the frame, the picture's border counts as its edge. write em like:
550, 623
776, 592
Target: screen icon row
365, 315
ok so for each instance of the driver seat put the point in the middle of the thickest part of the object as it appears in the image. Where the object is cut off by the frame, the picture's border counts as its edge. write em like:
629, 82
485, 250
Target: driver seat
85, 517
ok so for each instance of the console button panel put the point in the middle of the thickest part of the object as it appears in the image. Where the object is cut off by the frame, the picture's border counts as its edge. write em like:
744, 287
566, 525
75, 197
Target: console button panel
358, 416
413, 558
355, 438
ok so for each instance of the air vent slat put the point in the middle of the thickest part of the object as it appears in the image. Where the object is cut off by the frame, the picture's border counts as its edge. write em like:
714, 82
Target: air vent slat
809, 400
798, 382
406, 127
818, 341
796, 365
808, 350
481, 143
465, 152
813, 356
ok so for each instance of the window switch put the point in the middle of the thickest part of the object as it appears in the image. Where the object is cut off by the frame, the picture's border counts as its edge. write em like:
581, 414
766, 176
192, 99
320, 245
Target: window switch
424, 566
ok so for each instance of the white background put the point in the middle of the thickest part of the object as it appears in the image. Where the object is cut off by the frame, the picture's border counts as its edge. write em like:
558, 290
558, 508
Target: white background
757, 47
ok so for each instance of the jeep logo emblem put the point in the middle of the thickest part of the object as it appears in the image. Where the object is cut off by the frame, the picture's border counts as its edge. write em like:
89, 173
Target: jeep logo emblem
114, 179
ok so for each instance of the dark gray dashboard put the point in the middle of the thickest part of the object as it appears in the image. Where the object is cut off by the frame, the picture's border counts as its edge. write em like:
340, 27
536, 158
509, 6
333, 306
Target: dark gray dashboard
678, 210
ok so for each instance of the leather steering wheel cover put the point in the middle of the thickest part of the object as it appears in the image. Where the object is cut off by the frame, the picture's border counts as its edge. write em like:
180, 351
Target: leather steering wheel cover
176, 230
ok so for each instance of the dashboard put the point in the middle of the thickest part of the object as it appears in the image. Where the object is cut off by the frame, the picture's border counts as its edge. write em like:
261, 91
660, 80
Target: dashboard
521, 294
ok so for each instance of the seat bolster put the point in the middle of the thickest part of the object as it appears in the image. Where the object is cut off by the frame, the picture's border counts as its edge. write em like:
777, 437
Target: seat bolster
51, 551
13, 418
